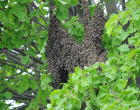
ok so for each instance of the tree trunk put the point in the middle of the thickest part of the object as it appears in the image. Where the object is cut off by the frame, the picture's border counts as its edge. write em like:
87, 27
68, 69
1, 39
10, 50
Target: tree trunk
110, 8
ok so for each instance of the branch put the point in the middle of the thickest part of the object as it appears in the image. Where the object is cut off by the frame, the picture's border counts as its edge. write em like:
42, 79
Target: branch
32, 57
21, 71
23, 96
23, 107
43, 17
123, 5
3, 62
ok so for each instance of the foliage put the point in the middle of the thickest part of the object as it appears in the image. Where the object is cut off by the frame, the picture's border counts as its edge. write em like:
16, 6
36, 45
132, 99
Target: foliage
100, 90
75, 29
112, 82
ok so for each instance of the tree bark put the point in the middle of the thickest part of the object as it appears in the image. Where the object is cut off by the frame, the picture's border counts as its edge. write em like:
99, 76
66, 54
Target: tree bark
110, 8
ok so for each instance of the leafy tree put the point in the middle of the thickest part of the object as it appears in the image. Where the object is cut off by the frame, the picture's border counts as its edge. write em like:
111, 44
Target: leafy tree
24, 27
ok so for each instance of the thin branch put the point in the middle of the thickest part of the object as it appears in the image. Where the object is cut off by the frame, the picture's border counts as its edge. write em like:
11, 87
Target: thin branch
93, 2
43, 17
23, 96
21, 71
23, 107
113, 92
3, 62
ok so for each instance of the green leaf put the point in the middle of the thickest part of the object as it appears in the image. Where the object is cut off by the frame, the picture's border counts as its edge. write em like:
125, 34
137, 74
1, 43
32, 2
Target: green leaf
34, 102
20, 1
124, 48
19, 13
11, 45
124, 35
111, 23
37, 107
43, 99
137, 24
43, 50
2, 14
31, 51
118, 29
45, 80
63, 1
2, 88
103, 66
25, 78
73, 2
25, 85
20, 90
25, 59
34, 85
43, 33
135, 16
131, 40
2, 106
8, 95
55, 94
96, 65
131, 29
11, 18
4, 3
137, 43
60, 102
2, 44
77, 103
92, 8
116, 41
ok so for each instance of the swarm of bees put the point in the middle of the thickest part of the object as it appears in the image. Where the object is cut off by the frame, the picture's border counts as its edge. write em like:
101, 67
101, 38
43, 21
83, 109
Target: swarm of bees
64, 53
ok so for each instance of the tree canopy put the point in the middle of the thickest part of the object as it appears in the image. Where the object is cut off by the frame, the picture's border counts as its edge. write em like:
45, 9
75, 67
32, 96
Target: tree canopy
24, 77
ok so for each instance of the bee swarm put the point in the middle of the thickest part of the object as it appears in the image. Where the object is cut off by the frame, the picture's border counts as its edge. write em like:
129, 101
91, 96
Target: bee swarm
64, 53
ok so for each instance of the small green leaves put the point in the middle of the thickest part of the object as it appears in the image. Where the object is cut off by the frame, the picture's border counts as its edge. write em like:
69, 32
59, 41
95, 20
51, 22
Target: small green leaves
11, 18
25, 59
11, 45
34, 103
34, 85
18, 13
31, 51
20, 1
124, 48
124, 35
73, 2
111, 23
2, 44
77, 103
118, 29
2, 106
92, 8
8, 95
55, 94
45, 80
75, 29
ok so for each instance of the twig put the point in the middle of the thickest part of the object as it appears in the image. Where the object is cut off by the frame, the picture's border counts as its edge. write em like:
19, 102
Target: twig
43, 17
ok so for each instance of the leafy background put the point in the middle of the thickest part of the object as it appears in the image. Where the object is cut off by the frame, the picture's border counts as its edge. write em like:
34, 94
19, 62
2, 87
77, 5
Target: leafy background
23, 66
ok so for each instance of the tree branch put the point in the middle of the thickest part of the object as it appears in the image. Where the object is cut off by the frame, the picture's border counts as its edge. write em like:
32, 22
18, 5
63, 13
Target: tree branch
123, 5
43, 16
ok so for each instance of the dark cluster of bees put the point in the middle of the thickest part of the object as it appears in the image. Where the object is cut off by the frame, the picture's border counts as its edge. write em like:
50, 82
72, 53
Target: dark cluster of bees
64, 53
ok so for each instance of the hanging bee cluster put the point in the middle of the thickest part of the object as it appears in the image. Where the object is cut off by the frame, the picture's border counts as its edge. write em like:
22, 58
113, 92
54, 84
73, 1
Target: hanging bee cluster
64, 53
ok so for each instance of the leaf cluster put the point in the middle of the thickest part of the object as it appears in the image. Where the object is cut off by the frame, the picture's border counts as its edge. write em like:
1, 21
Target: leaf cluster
116, 85
106, 86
